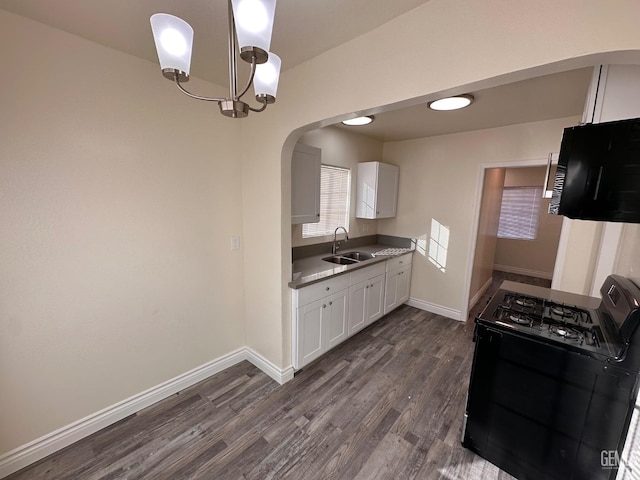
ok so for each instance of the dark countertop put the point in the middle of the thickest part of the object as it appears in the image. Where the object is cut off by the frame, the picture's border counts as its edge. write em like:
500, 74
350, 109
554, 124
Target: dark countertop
310, 270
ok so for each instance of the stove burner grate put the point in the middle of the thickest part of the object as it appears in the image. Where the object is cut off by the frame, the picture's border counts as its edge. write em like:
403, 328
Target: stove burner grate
565, 332
566, 314
519, 318
562, 311
509, 315
525, 302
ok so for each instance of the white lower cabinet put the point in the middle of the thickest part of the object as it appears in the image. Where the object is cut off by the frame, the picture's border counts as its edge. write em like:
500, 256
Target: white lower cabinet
366, 303
375, 299
397, 282
322, 325
310, 336
335, 311
328, 312
321, 311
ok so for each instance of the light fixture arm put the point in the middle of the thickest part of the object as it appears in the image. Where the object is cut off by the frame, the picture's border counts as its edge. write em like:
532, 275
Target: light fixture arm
250, 81
192, 95
261, 109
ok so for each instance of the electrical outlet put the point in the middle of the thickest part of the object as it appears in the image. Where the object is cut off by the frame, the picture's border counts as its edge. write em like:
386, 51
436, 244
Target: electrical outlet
235, 242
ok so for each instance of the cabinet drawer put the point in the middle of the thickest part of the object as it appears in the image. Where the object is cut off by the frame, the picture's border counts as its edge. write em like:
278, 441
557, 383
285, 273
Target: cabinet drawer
322, 289
398, 262
363, 274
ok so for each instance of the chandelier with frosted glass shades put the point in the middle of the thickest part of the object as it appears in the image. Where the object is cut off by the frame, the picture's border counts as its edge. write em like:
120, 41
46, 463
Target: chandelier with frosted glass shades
250, 27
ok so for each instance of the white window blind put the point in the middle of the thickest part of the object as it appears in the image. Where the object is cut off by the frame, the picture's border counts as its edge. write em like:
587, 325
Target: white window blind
335, 192
519, 213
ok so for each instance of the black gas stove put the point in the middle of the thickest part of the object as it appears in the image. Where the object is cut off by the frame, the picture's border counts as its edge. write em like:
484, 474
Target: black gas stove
576, 327
554, 380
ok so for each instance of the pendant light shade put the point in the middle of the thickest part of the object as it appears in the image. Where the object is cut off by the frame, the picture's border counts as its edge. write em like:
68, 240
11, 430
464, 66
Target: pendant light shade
265, 83
174, 43
254, 25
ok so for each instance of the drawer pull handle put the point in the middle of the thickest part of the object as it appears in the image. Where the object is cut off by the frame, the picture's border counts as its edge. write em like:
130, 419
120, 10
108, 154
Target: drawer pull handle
324, 306
327, 289
330, 303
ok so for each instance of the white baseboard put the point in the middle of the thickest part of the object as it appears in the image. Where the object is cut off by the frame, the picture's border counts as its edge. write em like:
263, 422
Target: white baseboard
437, 309
280, 375
523, 271
50, 443
478, 296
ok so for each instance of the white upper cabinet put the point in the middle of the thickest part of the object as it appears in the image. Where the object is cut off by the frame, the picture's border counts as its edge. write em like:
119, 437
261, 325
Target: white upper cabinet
377, 192
614, 94
305, 184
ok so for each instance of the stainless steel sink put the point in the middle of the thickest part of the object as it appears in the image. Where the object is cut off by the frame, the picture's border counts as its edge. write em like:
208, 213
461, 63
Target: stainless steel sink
340, 260
348, 258
359, 256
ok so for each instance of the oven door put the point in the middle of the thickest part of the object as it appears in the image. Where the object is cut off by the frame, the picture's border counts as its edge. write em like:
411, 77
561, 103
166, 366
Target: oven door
539, 411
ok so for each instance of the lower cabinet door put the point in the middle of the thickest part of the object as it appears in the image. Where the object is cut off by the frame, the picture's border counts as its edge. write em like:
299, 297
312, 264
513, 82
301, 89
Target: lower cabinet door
310, 332
404, 277
374, 299
334, 316
391, 291
357, 306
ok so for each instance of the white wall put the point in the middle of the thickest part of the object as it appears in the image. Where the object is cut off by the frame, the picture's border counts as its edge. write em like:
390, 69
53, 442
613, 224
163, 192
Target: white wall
439, 179
535, 257
342, 149
628, 261
118, 197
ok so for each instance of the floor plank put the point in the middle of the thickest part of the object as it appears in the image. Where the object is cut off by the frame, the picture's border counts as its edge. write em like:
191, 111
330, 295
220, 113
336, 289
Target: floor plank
386, 404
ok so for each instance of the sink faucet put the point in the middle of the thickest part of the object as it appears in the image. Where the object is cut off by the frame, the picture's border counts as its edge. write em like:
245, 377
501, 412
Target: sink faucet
336, 245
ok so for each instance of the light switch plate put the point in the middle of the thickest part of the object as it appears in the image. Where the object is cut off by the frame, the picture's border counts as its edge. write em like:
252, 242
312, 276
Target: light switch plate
235, 242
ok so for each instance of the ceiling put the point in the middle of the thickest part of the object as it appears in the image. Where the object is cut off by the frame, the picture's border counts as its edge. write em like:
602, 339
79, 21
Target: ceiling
540, 98
300, 29
301, 33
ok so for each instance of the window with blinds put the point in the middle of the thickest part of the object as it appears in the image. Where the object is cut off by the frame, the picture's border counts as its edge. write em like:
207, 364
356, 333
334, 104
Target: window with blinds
335, 193
519, 213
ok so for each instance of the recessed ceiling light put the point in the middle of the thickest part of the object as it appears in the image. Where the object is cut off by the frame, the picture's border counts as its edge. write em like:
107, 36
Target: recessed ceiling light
359, 121
451, 103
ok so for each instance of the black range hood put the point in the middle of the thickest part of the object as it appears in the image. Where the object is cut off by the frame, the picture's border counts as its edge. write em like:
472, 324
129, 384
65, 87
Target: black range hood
598, 175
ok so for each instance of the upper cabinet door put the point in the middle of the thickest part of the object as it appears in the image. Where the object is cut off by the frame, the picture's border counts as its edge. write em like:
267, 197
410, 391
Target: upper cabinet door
305, 184
387, 191
377, 191
613, 94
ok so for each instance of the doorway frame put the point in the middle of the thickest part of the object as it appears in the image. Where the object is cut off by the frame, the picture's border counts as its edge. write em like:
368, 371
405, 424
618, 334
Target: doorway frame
471, 254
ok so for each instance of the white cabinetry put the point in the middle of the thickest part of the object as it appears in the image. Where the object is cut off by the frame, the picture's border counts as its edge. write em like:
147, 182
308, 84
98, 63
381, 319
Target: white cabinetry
397, 282
310, 333
334, 316
377, 192
328, 312
321, 318
613, 94
366, 297
305, 184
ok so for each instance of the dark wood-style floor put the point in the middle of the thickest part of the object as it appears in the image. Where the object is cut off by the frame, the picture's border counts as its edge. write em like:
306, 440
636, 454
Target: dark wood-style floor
386, 404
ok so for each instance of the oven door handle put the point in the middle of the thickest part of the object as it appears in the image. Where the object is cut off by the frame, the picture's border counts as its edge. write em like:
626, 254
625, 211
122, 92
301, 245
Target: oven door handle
615, 372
